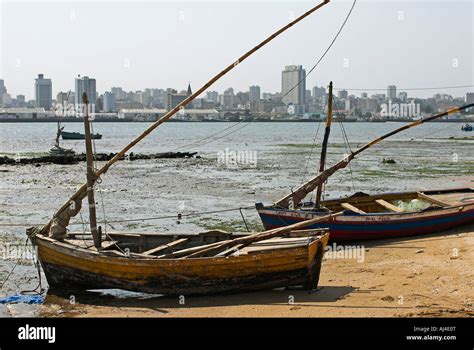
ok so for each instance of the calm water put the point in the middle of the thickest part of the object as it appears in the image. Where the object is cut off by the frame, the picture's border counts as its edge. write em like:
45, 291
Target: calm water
39, 137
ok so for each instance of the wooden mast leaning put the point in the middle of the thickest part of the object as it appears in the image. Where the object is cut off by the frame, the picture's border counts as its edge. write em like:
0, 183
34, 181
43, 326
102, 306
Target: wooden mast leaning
91, 176
311, 185
322, 161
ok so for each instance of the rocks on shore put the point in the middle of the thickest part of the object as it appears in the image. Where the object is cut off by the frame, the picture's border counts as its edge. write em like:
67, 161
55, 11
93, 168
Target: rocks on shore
100, 157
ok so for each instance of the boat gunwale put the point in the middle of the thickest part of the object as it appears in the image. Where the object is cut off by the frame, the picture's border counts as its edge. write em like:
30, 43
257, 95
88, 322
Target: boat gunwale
374, 197
348, 213
84, 253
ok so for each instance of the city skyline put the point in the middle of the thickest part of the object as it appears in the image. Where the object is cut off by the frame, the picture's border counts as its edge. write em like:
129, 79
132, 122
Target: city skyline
177, 46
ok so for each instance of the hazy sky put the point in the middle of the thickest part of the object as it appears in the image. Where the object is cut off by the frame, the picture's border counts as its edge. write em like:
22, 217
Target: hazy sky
160, 44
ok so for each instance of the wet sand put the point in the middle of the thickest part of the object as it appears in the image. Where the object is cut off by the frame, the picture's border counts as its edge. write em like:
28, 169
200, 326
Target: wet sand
417, 277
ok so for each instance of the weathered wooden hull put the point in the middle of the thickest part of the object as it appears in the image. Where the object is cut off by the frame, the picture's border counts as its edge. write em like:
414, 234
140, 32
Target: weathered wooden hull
67, 267
355, 226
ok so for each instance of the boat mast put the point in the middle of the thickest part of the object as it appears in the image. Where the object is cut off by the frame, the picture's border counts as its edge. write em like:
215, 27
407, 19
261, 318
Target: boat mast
322, 161
91, 177
81, 192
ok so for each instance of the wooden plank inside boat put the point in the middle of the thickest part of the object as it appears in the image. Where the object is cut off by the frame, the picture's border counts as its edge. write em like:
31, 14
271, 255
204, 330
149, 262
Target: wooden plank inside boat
388, 206
430, 199
350, 207
163, 247
449, 199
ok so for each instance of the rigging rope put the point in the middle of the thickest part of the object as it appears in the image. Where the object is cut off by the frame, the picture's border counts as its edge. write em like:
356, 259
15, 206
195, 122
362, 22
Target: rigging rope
197, 142
311, 153
142, 219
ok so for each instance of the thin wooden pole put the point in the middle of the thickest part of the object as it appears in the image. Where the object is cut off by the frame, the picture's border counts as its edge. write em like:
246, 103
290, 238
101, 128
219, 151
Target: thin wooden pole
309, 186
90, 174
80, 193
324, 147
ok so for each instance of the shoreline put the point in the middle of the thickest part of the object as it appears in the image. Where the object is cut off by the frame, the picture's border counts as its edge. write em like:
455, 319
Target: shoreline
103, 120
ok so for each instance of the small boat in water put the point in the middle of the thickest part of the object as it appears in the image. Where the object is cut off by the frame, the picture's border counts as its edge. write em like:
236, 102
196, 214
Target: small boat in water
206, 263
466, 127
78, 136
376, 216
60, 152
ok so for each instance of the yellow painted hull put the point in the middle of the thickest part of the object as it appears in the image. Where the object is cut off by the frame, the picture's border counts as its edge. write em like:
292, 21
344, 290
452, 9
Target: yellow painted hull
68, 267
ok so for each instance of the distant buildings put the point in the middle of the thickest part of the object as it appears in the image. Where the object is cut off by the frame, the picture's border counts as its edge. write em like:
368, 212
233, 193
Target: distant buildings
21, 100
118, 93
87, 85
212, 96
109, 102
254, 93
293, 85
319, 93
391, 92
174, 99
3, 90
16, 113
226, 100
43, 92
343, 94
62, 98
403, 96
470, 97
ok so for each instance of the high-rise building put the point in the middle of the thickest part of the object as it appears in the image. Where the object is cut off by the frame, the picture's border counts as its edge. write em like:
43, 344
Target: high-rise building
343, 94
118, 93
87, 85
227, 99
109, 102
293, 85
319, 93
174, 99
402, 95
21, 100
212, 96
254, 93
61, 98
3, 90
470, 97
43, 92
391, 92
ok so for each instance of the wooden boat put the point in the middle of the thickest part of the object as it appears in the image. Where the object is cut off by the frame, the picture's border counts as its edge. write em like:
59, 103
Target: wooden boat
157, 263
466, 127
78, 136
382, 216
57, 151
187, 264
372, 216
